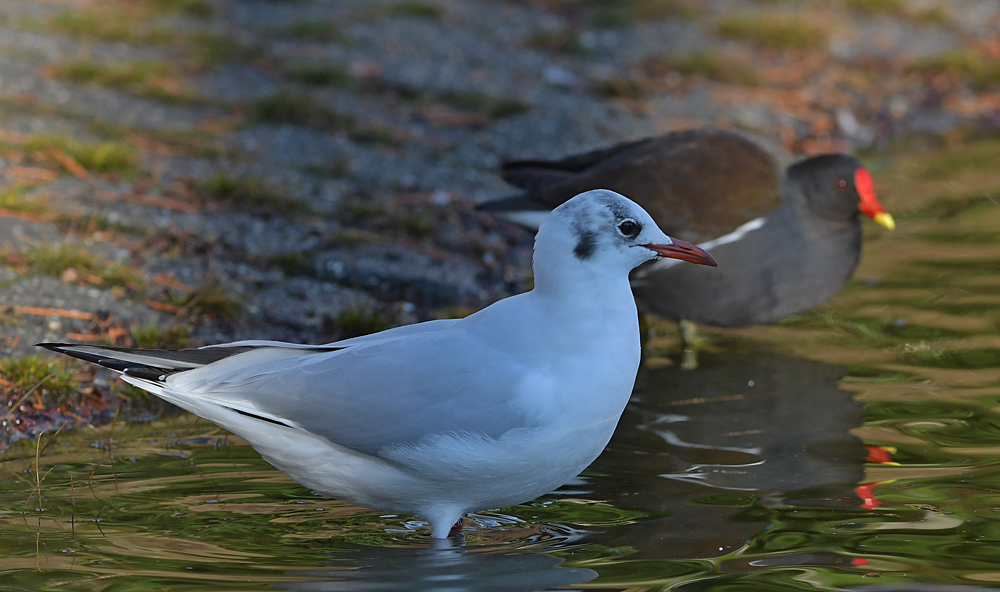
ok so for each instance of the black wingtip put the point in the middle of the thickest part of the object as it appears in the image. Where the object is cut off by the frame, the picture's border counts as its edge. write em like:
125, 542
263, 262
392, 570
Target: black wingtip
55, 346
93, 358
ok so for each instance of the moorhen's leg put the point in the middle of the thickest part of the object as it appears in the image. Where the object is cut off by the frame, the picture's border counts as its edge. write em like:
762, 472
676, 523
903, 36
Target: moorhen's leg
690, 343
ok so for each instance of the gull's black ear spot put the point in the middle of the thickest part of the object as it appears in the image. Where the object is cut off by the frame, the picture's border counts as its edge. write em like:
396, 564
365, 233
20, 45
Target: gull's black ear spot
586, 244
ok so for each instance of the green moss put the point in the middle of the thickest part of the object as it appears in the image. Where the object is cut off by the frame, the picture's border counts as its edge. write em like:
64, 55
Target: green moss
167, 337
212, 300
209, 49
418, 225
12, 200
114, 26
150, 79
980, 70
773, 31
413, 9
292, 264
936, 15
360, 319
92, 222
299, 109
336, 168
253, 195
895, 7
196, 8
374, 135
623, 88
616, 13
711, 65
561, 40
318, 74
492, 107
312, 31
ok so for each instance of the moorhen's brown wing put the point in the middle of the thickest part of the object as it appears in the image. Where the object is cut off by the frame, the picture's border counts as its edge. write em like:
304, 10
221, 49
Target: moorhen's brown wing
697, 184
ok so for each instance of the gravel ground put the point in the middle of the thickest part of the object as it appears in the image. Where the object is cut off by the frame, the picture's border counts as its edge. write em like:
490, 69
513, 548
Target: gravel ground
307, 170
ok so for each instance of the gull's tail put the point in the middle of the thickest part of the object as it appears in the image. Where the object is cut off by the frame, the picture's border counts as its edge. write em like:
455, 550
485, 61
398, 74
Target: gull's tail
518, 208
147, 364
149, 370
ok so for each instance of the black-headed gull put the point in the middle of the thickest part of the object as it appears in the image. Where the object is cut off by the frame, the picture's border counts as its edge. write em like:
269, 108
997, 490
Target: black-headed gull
444, 417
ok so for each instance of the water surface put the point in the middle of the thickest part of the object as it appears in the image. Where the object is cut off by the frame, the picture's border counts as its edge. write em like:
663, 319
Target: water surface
855, 446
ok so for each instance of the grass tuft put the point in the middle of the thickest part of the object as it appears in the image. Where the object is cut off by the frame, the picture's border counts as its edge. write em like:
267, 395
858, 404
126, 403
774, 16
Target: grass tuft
252, 195
73, 263
772, 31
559, 40
980, 70
212, 300
935, 15
299, 109
414, 9
99, 157
13, 201
324, 31
60, 378
167, 337
894, 7
706, 64
318, 74
113, 26
150, 79
292, 264
617, 13
303, 110
492, 107
196, 8
209, 50
360, 319
622, 88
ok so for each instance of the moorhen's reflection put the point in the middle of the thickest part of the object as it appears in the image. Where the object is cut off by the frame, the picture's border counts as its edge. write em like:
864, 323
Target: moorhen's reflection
440, 567
768, 427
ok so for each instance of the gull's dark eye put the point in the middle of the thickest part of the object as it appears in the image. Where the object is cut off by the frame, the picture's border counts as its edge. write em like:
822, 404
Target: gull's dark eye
630, 228
841, 184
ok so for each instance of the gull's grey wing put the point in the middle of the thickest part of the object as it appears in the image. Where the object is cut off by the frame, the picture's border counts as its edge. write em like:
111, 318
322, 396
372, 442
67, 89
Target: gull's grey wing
371, 396
388, 334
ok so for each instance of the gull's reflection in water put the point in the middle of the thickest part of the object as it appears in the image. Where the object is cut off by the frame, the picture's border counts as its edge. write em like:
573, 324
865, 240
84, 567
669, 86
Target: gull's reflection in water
771, 428
445, 566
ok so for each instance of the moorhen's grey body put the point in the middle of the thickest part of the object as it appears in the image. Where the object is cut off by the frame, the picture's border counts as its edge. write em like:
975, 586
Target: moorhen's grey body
787, 239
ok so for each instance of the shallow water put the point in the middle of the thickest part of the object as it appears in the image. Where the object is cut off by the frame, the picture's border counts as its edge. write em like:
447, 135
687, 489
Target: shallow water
855, 446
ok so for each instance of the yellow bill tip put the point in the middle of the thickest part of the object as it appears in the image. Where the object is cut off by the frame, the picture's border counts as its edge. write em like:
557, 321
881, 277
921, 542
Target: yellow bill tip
884, 219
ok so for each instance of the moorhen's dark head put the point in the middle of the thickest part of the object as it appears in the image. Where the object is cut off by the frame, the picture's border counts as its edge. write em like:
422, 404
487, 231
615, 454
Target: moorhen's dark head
838, 187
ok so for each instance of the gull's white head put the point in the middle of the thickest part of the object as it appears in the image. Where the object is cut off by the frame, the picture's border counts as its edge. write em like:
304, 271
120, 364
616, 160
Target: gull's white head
603, 230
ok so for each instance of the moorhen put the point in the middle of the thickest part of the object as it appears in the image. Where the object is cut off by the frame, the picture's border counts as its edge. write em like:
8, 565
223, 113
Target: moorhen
786, 239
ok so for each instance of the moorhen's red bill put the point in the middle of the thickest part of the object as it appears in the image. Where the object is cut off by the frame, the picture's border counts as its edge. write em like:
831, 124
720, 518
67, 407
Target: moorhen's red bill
786, 239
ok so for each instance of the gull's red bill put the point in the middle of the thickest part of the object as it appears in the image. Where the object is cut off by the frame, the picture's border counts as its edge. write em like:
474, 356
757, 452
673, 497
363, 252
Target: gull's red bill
683, 251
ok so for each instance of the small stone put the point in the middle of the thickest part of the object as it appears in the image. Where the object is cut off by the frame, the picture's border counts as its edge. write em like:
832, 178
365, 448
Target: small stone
69, 275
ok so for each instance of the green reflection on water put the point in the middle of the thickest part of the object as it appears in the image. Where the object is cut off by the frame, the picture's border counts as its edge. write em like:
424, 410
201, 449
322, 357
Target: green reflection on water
711, 482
